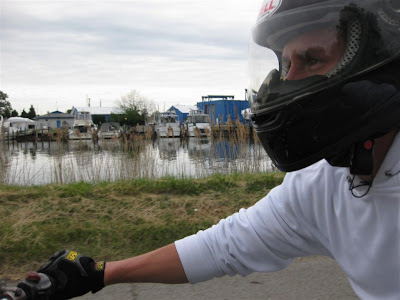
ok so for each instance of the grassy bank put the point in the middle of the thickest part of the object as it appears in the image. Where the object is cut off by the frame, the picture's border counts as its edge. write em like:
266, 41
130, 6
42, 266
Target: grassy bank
115, 220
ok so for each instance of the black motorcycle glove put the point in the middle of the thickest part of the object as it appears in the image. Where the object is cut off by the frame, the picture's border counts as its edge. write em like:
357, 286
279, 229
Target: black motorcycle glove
73, 274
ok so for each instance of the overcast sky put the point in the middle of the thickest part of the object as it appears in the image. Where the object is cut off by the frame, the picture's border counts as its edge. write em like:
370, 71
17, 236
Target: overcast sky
55, 54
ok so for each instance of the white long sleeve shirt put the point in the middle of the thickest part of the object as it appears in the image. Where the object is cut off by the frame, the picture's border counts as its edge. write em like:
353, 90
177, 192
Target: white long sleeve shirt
311, 212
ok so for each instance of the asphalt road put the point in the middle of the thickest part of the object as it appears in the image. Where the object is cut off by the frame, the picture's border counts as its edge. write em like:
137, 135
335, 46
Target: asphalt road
310, 278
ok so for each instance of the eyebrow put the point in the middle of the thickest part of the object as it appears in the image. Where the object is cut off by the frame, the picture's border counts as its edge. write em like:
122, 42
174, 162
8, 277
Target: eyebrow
317, 51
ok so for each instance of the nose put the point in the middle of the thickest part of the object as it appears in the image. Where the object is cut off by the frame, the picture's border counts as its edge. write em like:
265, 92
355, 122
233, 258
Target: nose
296, 71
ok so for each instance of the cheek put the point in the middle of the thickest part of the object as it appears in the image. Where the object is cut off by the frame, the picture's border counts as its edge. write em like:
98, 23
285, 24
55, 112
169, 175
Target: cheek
337, 52
329, 66
332, 59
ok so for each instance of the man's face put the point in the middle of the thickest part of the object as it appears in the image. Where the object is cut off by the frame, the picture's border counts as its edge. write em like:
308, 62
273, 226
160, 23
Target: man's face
313, 53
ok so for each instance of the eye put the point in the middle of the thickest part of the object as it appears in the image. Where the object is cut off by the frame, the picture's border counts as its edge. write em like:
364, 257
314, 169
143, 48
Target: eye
312, 60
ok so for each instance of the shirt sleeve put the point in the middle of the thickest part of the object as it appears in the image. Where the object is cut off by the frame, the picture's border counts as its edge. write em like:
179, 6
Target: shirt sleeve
263, 238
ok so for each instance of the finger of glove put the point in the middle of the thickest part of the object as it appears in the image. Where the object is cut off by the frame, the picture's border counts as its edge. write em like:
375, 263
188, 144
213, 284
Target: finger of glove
87, 264
51, 260
53, 271
76, 284
96, 276
26, 288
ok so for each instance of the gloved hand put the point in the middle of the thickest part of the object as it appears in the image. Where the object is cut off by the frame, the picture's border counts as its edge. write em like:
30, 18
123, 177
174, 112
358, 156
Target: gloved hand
74, 274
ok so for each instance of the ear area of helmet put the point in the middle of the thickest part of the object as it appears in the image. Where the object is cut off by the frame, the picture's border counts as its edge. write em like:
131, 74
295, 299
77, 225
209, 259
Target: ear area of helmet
363, 38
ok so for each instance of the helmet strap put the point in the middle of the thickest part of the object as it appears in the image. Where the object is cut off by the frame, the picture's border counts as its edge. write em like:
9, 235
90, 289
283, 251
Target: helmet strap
361, 160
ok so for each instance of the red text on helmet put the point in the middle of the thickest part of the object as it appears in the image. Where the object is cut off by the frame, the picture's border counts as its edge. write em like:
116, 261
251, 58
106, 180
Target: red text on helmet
269, 7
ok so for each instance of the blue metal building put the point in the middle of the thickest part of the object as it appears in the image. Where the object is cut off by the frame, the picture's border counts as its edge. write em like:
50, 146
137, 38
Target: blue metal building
220, 107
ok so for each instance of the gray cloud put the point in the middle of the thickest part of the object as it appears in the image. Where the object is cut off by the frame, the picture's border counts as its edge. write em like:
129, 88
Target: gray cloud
66, 45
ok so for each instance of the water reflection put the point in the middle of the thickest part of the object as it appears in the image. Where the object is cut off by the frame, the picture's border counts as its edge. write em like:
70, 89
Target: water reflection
40, 163
199, 148
168, 148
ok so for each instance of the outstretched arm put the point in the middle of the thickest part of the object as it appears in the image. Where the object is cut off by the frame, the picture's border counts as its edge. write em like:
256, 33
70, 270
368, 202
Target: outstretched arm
162, 265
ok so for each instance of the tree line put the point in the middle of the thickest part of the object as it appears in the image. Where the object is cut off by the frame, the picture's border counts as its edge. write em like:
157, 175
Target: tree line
7, 111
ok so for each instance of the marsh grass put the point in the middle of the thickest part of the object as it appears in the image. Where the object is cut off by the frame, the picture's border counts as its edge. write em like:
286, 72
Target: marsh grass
3, 167
115, 220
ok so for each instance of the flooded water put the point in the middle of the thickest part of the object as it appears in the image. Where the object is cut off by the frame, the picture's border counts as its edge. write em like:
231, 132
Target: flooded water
28, 163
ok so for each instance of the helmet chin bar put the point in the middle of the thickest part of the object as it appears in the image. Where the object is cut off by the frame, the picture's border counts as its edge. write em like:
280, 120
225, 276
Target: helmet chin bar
333, 124
359, 158
275, 87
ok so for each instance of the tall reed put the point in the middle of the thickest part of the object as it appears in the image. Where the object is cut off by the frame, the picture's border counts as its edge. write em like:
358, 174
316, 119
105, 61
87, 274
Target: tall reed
3, 164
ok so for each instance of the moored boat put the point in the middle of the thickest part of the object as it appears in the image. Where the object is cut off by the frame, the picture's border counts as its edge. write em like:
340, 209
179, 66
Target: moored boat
197, 124
83, 127
109, 130
167, 124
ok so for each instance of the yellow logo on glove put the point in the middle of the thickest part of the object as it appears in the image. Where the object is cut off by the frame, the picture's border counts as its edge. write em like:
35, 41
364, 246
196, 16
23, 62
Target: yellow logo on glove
99, 266
72, 255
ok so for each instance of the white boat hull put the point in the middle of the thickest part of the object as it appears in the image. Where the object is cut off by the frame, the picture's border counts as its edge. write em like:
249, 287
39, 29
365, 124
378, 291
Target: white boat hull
198, 129
168, 130
109, 135
80, 136
81, 132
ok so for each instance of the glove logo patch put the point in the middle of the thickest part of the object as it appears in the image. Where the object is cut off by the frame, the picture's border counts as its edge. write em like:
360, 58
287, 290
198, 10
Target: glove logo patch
99, 266
72, 256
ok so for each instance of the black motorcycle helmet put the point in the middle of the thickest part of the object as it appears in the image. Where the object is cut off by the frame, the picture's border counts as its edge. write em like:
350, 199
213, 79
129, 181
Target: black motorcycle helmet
324, 113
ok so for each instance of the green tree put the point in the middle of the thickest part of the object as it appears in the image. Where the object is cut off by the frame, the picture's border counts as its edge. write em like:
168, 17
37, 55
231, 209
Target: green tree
98, 120
134, 109
31, 112
5, 105
14, 113
24, 114
6, 113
